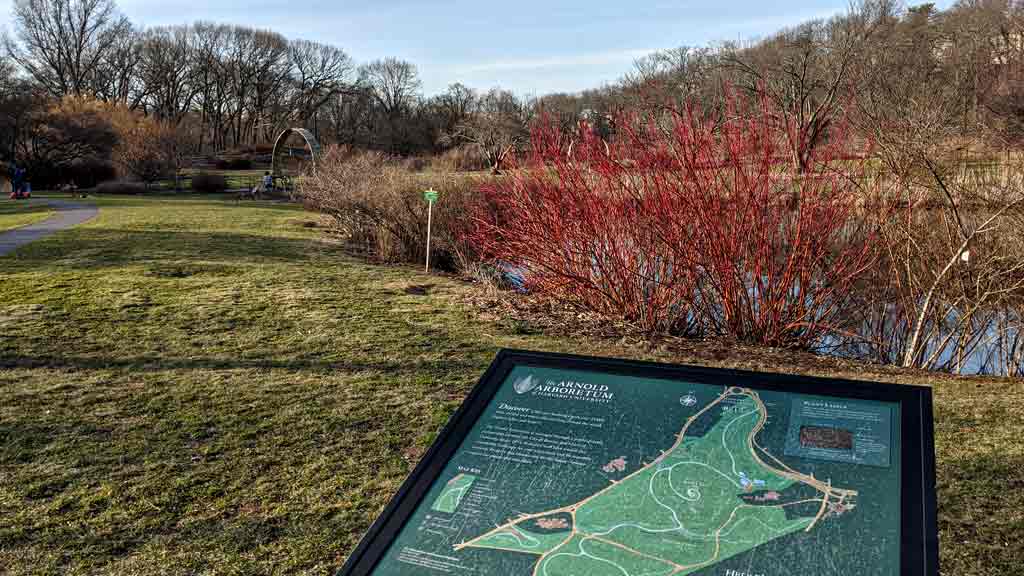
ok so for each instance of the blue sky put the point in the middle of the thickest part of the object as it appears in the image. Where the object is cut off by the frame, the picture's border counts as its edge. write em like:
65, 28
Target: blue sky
528, 46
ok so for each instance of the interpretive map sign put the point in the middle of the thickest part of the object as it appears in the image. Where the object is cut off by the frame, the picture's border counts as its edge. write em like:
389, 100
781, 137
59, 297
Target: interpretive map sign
569, 466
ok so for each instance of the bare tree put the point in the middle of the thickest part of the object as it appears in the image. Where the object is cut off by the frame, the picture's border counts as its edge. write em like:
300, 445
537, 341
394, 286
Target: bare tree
119, 77
168, 72
677, 75
352, 117
919, 116
454, 106
9, 95
984, 44
61, 44
807, 71
319, 73
395, 84
7, 72
498, 124
213, 77
269, 68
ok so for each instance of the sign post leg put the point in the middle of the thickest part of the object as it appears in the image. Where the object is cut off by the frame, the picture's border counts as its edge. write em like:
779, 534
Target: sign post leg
430, 210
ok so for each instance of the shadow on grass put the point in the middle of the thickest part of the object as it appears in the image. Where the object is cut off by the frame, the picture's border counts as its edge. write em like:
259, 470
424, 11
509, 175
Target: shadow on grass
91, 248
160, 363
7, 209
160, 197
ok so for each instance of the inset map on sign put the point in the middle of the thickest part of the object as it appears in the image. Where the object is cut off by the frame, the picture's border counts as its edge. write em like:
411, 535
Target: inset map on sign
453, 493
839, 430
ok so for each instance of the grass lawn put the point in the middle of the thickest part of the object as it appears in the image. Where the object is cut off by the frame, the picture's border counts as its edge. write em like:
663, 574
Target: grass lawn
17, 213
191, 385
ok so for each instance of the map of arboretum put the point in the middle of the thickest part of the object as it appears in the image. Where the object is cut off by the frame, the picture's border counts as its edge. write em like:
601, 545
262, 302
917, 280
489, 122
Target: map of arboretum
702, 500
741, 486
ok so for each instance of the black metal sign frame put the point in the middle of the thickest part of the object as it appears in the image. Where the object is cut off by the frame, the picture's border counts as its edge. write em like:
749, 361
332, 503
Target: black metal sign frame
919, 550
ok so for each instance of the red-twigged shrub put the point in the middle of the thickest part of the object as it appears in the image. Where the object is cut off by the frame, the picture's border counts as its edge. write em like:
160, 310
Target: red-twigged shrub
688, 223
779, 243
579, 230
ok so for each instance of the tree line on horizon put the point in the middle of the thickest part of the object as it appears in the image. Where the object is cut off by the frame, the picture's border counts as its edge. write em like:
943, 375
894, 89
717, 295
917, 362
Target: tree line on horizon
223, 86
905, 77
909, 80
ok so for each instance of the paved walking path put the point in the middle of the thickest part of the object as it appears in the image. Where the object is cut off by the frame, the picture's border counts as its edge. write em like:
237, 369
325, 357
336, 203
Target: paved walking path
68, 214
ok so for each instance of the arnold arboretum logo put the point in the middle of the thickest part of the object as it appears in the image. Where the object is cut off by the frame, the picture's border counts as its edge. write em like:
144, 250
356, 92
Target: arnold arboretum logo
563, 389
524, 384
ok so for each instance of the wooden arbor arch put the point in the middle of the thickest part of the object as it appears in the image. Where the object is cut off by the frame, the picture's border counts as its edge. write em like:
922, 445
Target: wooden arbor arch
281, 152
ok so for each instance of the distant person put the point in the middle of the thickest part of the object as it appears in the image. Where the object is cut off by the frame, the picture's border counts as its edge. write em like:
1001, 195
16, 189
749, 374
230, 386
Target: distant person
268, 182
16, 180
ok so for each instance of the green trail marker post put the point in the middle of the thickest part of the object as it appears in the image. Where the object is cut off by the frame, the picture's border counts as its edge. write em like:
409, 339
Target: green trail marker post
430, 195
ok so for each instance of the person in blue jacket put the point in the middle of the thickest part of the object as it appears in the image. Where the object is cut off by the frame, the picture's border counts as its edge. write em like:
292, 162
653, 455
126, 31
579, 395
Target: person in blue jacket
17, 175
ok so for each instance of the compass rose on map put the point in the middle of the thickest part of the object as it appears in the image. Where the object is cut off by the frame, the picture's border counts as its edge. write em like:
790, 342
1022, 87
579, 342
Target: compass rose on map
688, 400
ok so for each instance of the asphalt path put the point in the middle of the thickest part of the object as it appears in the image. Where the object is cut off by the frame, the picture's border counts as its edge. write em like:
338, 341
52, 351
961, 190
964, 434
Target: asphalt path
68, 214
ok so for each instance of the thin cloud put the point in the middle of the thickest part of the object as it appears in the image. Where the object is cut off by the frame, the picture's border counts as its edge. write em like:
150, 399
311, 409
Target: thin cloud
566, 61
747, 29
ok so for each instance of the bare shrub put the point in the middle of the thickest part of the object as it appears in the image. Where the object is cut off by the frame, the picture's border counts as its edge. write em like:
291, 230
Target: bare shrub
415, 163
148, 149
121, 187
88, 172
948, 292
378, 206
236, 163
209, 183
462, 159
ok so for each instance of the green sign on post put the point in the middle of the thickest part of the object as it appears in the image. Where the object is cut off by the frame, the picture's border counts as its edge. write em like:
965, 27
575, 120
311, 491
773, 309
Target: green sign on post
430, 195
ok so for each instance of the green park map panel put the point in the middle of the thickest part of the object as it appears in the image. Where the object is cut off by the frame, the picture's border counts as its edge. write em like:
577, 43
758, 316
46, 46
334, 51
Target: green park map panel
572, 473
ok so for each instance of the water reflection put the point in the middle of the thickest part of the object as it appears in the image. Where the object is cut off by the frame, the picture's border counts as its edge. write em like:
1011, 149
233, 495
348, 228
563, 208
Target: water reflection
984, 341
